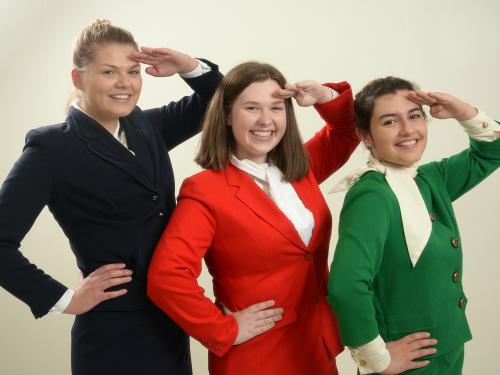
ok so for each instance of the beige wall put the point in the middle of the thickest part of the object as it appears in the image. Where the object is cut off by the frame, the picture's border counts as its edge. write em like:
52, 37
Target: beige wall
449, 45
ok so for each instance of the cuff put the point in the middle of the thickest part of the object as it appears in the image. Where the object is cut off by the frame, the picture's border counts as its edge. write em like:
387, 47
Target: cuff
341, 107
372, 357
481, 128
200, 69
63, 302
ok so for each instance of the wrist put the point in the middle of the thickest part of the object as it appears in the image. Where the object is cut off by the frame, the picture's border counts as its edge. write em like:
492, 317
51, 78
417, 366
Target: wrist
469, 113
326, 96
190, 65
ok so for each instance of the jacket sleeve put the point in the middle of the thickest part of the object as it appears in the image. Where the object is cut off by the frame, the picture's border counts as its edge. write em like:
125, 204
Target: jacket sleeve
332, 146
23, 195
175, 267
461, 172
363, 229
179, 121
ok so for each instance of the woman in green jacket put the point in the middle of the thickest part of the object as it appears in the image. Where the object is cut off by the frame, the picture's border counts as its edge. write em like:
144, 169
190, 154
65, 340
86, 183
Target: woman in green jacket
395, 283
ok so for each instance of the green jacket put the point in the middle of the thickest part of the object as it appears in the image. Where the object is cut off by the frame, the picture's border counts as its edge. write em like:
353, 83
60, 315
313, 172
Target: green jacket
373, 287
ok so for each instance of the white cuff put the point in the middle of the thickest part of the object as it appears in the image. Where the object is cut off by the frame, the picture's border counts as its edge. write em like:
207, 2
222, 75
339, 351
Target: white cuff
63, 302
200, 69
371, 357
482, 128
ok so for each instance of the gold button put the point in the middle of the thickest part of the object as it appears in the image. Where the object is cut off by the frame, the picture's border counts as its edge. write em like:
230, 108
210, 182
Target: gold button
455, 242
456, 277
432, 216
485, 125
462, 302
362, 363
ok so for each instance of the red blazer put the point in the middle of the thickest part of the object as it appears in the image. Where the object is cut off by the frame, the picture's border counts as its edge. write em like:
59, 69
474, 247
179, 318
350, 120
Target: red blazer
254, 253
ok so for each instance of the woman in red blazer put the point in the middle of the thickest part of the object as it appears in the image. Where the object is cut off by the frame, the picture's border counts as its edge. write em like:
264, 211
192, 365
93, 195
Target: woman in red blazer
258, 218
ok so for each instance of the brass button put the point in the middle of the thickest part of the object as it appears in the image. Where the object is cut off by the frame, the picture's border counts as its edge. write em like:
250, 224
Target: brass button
155, 198
362, 363
455, 242
308, 256
456, 277
161, 214
315, 300
432, 216
462, 302
485, 125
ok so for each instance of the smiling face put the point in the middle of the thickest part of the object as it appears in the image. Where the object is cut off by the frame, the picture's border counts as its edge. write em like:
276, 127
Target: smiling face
398, 130
258, 121
110, 83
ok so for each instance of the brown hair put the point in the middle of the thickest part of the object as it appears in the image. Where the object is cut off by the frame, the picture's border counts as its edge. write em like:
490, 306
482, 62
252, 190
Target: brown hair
364, 102
217, 140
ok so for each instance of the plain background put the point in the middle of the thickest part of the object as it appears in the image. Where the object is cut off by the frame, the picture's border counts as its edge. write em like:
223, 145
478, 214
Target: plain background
450, 45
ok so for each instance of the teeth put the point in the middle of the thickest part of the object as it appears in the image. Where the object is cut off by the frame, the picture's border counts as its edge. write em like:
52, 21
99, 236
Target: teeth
261, 133
121, 97
408, 143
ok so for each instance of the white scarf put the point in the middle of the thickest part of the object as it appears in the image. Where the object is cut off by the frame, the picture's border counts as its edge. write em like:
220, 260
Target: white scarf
281, 192
416, 223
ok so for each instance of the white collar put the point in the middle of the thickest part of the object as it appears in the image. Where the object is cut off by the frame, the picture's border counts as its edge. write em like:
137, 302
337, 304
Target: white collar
417, 225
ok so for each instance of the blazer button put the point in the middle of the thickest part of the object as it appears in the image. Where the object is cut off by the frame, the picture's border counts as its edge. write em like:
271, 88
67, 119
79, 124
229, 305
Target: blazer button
432, 216
362, 363
456, 277
161, 214
308, 256
155, 198
485, 125
462, 302
455, 242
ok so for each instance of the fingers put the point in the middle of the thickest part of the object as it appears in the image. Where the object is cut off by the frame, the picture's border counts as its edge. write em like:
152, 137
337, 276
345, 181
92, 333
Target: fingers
417, 364
113, 294
108, 267
414, 337
260, 306
284, 93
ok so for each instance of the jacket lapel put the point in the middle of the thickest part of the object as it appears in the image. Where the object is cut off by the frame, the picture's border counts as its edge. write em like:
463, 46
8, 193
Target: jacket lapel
257, 200
103, 144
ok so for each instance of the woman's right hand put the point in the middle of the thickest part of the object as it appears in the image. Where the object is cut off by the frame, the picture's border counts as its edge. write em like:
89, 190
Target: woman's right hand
254, 320
92, 289
405, 350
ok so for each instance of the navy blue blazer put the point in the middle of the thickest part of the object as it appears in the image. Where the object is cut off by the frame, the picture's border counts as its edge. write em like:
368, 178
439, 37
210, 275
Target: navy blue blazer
111, 205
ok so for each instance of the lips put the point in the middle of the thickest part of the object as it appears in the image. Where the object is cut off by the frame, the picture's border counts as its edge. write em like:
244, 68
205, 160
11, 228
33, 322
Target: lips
408, 144
262, 133
121, 96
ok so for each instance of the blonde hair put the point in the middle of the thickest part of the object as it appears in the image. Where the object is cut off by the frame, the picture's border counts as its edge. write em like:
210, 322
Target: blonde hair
98, 33
217, 140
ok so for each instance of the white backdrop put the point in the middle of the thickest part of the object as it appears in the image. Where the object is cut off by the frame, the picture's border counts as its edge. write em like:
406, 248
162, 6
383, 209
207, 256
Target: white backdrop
448, 45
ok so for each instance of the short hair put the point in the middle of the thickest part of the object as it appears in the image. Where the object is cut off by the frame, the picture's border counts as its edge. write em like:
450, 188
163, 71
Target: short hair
364, 101
217, 140
98, 33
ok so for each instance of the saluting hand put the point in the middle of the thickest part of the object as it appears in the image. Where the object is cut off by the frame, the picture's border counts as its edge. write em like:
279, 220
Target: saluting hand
306, 93
92, 289
443, 105
254, 320
165, 62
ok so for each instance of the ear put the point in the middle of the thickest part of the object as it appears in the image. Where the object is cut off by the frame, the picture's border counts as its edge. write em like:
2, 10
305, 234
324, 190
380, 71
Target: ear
365, 137
76, 78
229, 120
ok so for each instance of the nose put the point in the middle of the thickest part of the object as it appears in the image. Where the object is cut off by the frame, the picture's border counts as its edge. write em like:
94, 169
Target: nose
123, 80
265, 117
406, 127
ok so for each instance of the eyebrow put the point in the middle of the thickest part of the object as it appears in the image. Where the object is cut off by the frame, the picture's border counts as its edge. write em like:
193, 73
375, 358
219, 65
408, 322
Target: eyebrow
116, 67
396, 114
277, 101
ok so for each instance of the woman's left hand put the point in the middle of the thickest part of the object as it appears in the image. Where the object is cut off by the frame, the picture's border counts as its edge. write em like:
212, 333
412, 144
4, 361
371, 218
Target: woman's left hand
444, 106
306, 93
165, 62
